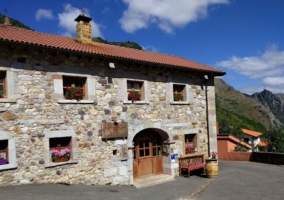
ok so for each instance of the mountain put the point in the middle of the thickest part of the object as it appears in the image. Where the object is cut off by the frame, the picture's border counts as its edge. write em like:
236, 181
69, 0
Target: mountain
260, 111
122, 44
236, 110
274, 103
13, 22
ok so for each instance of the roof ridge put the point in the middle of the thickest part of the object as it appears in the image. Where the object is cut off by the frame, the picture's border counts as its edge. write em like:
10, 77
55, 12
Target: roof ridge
38, 32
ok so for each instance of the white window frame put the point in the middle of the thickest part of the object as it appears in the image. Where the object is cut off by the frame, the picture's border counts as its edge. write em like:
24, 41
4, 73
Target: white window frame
188, 95
11, 151
11, 86
90, 96
122, 91
58, 134
197, 139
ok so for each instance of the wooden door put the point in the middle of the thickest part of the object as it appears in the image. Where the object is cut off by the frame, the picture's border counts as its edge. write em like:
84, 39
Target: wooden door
147, 155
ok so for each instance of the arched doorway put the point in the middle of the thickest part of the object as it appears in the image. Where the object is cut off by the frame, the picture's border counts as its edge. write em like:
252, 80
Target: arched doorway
147, 153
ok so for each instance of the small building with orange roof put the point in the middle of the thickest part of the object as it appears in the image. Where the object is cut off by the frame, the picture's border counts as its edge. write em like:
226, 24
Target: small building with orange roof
228, 143
252, 137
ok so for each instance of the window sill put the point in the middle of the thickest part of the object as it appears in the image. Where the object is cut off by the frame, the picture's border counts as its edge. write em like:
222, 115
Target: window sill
8, 166
54, 164
75, 101
8, 100
136, 102
180, 103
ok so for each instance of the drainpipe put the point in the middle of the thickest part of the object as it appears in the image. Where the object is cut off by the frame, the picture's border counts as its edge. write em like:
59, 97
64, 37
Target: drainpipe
207, 118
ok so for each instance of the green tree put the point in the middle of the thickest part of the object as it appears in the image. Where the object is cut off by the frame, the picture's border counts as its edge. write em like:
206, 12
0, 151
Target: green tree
274, 139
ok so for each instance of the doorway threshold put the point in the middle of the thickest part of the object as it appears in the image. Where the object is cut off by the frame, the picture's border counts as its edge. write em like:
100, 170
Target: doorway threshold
153, 179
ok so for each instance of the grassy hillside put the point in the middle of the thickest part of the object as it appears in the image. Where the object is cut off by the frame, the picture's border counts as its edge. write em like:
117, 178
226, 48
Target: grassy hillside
122, 44
14, 22
235, 110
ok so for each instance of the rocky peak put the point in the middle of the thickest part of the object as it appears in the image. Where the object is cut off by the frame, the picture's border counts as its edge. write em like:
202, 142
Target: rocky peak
273, 102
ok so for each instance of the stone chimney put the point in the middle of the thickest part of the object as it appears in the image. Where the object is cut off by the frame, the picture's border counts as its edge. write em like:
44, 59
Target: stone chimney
7, 21
84, 29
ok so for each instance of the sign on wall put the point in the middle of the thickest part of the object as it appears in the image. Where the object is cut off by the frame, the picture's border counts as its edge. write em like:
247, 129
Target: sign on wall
114, 130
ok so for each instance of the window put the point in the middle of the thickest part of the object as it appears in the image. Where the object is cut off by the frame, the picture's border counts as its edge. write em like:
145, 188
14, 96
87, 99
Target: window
179, 92
74, 87
134, 90
2, 84
60, 149
7, 151
246, 140
4, 156
190, 143
142, 88
67, 86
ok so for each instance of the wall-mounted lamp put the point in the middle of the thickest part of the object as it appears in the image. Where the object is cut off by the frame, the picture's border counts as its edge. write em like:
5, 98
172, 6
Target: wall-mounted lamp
206, 77
111, 65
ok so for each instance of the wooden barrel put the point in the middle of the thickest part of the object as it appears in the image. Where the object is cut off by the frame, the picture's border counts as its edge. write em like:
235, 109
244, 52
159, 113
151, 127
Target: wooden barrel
211, 168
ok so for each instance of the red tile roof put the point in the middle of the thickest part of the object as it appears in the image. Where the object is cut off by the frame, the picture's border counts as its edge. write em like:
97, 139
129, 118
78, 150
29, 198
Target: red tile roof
252, 133
29, 37
234, 140
262, 143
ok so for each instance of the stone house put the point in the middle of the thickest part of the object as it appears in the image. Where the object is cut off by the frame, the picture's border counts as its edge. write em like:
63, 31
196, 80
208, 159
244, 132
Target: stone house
80, 112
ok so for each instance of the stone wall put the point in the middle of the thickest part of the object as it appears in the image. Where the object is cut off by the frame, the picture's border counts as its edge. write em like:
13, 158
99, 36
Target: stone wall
33, 109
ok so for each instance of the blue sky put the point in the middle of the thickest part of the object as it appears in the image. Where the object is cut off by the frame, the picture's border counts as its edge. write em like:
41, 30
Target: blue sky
245, 38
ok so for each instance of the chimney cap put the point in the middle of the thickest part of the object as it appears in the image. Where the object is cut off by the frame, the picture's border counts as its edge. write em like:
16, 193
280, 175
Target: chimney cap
83, 18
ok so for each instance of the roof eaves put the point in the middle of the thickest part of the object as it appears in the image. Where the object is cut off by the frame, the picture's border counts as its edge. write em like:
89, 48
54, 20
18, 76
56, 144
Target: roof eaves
217, 72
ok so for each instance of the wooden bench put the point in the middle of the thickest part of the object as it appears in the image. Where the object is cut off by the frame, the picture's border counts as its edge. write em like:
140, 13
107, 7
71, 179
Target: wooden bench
191, 162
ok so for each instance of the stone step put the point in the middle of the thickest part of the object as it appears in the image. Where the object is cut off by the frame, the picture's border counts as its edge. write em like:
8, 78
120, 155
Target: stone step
150, 180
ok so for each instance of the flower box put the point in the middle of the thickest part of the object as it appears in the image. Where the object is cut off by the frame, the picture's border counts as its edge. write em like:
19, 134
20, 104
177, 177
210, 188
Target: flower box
134, 96
75, 93
3, 161
60, 159
60, 156
190, 151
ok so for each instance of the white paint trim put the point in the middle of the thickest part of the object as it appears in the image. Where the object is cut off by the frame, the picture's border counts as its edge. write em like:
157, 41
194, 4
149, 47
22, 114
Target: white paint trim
59, 134
4, 135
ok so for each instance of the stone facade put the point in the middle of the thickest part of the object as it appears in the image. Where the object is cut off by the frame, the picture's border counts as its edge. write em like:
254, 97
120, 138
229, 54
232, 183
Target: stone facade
35, 111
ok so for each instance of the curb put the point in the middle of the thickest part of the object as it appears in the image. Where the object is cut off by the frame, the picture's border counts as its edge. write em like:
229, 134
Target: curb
196, 192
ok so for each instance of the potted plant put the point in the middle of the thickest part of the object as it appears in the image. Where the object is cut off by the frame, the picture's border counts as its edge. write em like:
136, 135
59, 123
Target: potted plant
214, 155
133, 96
1, 94
189, 148
74, 93
3, 161
178, 97
60, 156
211, 166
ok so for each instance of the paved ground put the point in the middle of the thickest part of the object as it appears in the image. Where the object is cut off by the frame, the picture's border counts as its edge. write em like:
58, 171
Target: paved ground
236, 180
173, 190
246, 180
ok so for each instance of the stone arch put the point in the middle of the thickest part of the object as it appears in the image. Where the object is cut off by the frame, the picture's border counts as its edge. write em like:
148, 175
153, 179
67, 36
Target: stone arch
165, 134
163, 131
